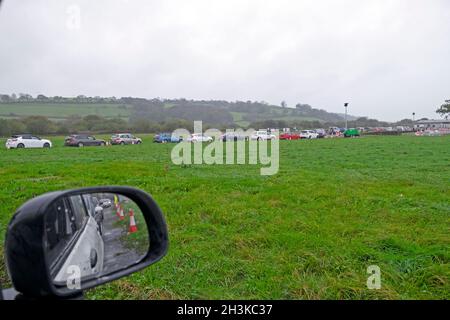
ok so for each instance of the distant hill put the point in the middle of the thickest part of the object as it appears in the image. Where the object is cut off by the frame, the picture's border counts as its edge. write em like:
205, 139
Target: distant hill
349, 116
56, 111
213, 112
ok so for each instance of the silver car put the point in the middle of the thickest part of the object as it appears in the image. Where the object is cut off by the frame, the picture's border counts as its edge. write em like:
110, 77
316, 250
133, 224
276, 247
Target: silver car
125, 138
73, 239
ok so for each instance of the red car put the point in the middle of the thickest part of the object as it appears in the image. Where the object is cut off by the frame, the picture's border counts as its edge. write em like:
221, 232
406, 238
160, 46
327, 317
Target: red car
289, 136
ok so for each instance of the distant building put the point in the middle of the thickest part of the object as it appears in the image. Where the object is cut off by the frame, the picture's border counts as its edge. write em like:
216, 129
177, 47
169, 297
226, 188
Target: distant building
432, 124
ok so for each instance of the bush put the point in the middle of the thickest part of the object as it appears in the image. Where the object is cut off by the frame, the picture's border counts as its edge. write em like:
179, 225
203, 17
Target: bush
10, 127
39, 125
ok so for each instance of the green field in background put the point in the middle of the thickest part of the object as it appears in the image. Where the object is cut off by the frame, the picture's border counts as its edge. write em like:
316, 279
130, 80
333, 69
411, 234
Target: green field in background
336, 207
63, 110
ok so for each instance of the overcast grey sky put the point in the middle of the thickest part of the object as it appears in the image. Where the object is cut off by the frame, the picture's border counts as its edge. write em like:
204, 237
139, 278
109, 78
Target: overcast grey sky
387, 58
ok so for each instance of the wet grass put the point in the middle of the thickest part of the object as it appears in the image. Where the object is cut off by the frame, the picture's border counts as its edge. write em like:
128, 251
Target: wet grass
309, 232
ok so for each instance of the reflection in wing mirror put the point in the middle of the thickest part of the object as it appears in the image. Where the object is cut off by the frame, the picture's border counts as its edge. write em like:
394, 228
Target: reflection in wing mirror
64, 242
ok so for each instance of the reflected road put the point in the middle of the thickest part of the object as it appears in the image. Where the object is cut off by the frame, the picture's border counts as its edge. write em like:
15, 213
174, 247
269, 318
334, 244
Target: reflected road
117, 255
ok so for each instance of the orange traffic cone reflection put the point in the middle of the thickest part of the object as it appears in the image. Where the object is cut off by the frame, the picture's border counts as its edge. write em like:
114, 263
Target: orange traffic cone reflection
133, 227
121, 215
118, 210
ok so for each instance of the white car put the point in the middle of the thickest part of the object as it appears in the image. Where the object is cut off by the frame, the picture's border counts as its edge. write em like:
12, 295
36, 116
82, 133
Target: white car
308, 134
27, 141
198, 137
432, 133
262, 135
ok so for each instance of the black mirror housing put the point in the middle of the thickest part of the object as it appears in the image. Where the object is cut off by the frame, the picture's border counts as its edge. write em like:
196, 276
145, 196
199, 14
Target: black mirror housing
24, 243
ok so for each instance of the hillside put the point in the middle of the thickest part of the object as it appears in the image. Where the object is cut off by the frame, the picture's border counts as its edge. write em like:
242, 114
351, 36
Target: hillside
56, 111
212, 112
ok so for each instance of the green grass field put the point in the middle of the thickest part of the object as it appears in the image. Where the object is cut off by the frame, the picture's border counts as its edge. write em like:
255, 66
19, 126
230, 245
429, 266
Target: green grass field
310, 232
61, 111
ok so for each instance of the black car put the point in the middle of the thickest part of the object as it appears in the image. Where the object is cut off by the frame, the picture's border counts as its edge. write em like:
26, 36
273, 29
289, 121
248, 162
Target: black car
79, 140
232, 136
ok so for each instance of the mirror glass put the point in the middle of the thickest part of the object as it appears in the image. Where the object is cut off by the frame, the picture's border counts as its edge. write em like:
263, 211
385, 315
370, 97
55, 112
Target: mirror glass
92, 235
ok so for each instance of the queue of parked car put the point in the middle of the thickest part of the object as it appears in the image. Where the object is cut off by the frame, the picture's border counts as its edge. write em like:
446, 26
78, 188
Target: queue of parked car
320, 133
80, 140
85, 140
21, 141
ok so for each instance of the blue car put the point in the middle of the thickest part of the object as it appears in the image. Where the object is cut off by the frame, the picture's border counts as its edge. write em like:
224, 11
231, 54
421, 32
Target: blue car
175, 139
166, 137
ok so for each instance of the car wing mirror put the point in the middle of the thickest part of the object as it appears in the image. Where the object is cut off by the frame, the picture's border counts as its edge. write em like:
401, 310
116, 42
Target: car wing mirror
54, 247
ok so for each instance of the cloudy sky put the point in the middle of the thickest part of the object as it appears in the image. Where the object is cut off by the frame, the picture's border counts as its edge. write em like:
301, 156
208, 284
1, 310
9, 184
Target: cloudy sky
388, 58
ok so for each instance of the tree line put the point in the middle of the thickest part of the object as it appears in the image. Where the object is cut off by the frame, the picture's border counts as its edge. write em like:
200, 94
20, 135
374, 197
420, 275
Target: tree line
444, 109
96, 124
40, 125
214, 112
28, 98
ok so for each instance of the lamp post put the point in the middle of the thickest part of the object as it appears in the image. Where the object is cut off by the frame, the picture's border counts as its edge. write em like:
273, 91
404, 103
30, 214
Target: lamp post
414, 116
346, 122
